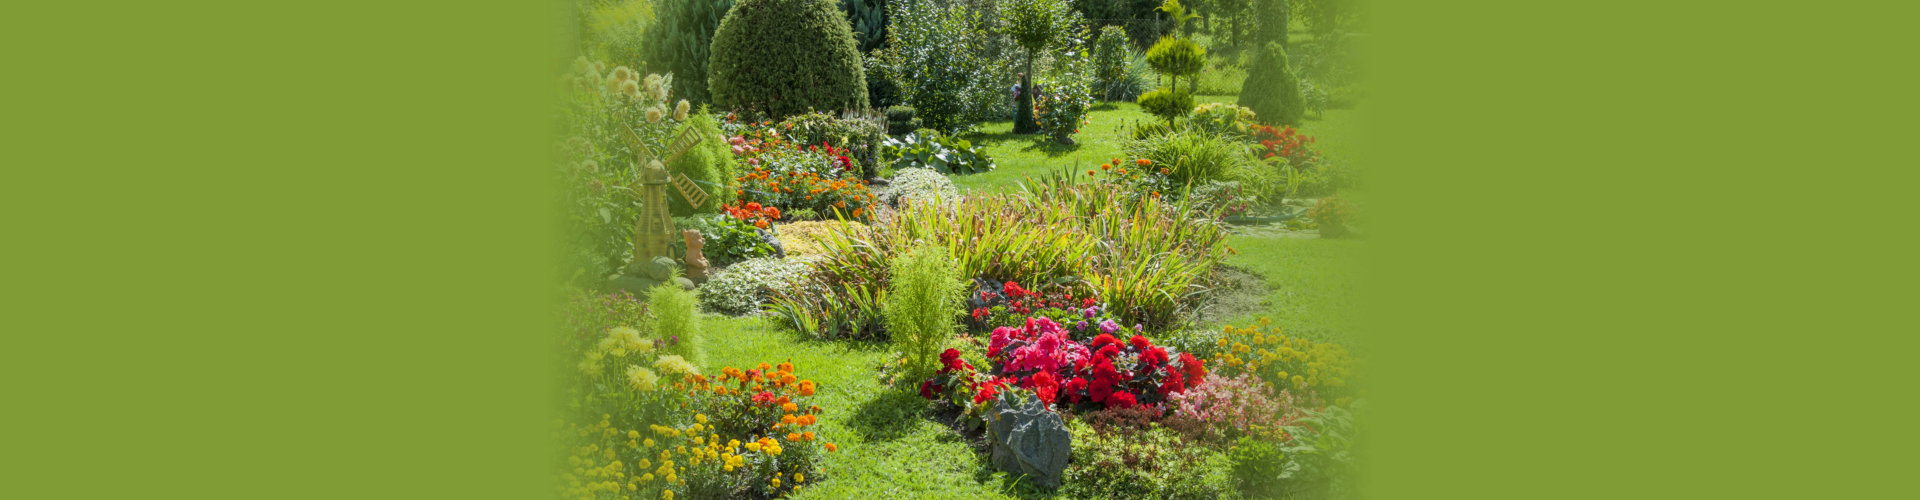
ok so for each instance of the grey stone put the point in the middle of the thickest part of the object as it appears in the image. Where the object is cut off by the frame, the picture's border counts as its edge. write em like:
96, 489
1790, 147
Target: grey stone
653, 273
1027, 438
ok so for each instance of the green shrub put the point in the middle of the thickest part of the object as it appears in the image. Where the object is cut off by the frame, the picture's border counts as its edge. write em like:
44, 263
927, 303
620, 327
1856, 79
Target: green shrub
1192, 157
951, 61
676, 322
1176, 58
1257, 467
901, 120
1272, 90
620, 30
863, 137
922, 305
785, 57
883, 89
1143, 463
744, 287
680, 42
1320, 458
1144, 130
1110, 62
1167, 103
728, 239
1069, 95
1333, 215
709, 164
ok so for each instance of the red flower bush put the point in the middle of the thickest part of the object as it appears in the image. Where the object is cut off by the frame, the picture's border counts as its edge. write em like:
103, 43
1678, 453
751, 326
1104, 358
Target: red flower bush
1285, 144
1102, 373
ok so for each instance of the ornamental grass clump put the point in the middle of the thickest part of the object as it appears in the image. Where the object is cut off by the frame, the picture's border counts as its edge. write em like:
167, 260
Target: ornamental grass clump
676, 321
1148, 258
922, 304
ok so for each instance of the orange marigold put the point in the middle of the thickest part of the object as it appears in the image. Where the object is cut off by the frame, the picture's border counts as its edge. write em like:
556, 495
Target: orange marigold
1143, 162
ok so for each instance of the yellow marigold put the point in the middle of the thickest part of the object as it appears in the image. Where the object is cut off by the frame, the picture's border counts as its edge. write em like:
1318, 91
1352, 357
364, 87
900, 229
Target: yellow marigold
776, 482
700, 417
799, 478
666, 494
754, 447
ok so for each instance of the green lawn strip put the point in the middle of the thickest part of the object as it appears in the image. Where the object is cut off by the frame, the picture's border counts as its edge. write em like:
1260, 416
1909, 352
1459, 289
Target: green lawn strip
1310, 283
887, 447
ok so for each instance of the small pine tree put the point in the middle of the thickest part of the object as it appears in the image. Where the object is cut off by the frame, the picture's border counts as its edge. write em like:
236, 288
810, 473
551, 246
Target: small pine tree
1272, 90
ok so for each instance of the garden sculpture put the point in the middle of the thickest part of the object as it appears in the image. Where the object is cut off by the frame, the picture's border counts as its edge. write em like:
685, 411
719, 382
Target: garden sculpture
696, 261
652, 233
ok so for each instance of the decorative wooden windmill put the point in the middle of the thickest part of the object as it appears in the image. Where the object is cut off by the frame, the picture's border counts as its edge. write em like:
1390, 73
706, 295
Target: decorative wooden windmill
655, 228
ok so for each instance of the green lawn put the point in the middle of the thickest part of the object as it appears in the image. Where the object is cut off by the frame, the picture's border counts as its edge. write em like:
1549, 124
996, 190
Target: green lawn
1020, 156
887, 448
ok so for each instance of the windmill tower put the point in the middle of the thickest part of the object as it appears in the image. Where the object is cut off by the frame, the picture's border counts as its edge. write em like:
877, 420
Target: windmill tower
653, 232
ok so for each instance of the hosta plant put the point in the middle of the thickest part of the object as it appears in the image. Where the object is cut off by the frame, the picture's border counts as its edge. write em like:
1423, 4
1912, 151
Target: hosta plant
944, 154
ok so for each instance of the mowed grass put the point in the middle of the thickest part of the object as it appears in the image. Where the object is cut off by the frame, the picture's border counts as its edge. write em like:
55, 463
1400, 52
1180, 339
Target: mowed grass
1021, 156
1310, 283
888, 449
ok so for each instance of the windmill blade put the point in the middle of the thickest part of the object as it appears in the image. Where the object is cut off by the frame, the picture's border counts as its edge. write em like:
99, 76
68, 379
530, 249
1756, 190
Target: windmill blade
683, 143
694, 195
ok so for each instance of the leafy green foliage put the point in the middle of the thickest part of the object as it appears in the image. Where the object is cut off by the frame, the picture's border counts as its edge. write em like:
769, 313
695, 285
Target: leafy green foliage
1320, 458
1110, 62
868, 18
1167, 103
901, 120
620, 31
943, 153
674, 319
709, 163
922, 306
728, 239
1272, 89
1176, 58
785, 57
1068, 91
680, 42
1258, 465
951, 61
862, 138
1150, 462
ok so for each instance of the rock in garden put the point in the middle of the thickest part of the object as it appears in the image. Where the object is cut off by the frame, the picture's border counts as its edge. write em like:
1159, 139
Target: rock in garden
1029, 439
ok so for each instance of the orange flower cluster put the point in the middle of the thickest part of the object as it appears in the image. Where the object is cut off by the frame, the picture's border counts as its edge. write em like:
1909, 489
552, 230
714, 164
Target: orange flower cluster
754, 213
797, 190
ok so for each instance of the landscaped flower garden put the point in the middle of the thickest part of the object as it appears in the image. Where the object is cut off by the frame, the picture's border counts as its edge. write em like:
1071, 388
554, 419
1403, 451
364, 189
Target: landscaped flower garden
957, 249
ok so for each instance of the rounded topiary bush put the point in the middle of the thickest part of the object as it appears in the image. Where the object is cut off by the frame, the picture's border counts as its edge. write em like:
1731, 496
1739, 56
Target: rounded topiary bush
1272, 91
785, 57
